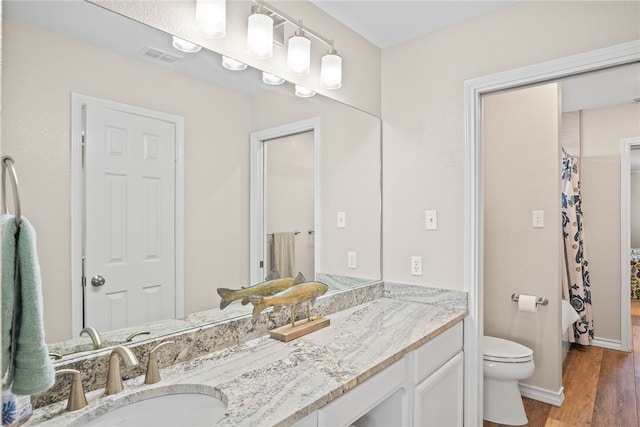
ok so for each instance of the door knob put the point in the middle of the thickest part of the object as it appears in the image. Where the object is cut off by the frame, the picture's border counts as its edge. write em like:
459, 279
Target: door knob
97, 281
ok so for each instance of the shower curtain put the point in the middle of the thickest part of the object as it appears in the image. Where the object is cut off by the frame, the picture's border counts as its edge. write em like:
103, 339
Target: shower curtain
577, 289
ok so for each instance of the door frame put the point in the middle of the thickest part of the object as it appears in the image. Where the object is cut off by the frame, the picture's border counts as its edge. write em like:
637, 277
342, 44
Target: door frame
625, 240
257, 242
621, 54
77, 199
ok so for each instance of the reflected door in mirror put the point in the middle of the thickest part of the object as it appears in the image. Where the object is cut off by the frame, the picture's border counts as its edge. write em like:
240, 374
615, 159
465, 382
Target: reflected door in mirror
130, 218
290, 204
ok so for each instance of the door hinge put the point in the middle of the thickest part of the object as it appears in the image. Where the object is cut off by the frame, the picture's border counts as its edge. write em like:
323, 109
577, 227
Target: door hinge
261, 264
84, 277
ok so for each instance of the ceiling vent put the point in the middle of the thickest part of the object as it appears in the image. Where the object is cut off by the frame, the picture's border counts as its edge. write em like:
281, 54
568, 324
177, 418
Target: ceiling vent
161, 55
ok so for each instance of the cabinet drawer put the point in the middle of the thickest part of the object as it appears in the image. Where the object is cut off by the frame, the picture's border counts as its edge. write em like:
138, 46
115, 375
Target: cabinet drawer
436, 352
359, 400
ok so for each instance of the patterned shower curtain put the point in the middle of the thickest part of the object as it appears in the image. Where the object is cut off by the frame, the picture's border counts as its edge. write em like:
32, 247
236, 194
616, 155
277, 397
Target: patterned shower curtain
578, 289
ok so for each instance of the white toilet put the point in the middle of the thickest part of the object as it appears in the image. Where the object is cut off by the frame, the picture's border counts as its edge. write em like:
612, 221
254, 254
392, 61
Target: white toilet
505, 363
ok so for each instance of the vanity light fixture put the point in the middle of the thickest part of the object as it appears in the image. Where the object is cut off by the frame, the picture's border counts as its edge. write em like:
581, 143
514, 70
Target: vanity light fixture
211, 17
260, 44
331, 70
299, 53
185, 46
272, 80
260, 33
232, 64
303, 92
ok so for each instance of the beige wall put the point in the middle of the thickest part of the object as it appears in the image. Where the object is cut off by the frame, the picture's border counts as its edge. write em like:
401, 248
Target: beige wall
423, 117
634, 207
601, 131
361, 59
521, 154
350, 169
36, 131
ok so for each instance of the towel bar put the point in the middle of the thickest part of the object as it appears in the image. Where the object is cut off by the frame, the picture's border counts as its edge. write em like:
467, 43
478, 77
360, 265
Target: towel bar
8, 163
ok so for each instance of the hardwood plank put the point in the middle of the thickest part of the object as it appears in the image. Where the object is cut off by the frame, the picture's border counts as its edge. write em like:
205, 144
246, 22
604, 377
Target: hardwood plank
615, 402
555, 423
580, 381
537, 412
635, 330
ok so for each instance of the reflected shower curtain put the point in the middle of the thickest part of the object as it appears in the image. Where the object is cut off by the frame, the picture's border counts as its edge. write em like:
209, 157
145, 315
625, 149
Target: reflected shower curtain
578, 290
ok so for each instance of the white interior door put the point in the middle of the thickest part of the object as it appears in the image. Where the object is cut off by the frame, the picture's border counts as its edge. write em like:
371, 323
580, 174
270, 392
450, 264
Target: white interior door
129, 218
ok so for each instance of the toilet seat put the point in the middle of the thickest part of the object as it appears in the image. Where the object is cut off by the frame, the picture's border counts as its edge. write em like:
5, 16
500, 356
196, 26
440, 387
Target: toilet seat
505, 351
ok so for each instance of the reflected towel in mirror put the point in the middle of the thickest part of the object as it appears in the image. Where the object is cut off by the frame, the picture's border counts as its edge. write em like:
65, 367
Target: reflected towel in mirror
282, 250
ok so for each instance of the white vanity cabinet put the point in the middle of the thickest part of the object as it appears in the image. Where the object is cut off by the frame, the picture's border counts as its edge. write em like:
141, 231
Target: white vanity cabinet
438, 381
424, 388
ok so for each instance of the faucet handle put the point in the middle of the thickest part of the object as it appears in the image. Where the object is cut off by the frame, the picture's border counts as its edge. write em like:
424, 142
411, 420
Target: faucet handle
153, 371
135, 334
77, 399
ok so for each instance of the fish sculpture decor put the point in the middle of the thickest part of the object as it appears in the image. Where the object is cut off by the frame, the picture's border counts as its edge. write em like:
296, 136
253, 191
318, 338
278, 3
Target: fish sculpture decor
271, 286
293, 298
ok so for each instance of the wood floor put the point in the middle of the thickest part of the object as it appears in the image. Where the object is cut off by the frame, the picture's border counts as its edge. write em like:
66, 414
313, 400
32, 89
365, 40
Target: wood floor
601, 388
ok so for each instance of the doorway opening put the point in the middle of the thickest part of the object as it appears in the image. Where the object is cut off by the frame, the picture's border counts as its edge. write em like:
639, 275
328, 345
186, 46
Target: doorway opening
273, 199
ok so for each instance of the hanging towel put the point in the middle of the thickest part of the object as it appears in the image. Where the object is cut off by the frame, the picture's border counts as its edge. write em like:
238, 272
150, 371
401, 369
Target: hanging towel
28, 369
284, 248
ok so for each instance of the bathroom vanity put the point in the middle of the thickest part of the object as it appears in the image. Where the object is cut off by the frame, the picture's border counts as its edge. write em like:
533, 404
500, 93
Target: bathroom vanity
395, 360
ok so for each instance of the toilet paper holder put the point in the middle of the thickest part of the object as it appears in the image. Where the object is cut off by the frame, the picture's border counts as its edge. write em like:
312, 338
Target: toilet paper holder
539, 301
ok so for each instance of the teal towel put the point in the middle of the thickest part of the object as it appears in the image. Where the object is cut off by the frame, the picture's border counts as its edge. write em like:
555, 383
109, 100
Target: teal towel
29, 369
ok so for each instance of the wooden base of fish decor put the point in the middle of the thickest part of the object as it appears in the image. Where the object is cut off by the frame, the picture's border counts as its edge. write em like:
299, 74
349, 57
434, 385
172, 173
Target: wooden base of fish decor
303, 327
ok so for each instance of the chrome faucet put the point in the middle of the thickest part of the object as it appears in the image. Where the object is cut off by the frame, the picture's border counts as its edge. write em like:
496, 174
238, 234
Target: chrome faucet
94, 335
77, 399
153, 371
114, 379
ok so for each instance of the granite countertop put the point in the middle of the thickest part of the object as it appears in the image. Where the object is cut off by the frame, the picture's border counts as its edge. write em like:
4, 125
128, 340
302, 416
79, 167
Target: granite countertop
268, 382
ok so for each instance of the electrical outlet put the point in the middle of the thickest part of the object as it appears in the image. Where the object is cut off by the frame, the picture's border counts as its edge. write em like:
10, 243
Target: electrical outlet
416, 266
431, 218
351, 259
342, 220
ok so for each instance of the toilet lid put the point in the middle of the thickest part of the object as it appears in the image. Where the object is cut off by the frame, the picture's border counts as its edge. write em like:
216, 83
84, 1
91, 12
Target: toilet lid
501, 350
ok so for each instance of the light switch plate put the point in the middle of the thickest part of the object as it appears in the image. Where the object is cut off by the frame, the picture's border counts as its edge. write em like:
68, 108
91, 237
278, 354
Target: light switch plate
342, 220
538, 219
431, 218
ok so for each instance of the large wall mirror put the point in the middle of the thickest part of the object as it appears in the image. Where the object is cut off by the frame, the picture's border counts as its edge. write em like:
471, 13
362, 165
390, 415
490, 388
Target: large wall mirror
66, 63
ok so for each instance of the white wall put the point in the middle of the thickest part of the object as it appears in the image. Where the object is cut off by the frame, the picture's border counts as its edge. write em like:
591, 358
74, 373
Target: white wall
423, 117
40, 72
521, 154
350, 171
601, 131
361, 59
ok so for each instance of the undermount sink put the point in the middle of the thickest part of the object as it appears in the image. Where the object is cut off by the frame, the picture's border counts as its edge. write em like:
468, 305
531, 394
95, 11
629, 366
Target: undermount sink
181, 409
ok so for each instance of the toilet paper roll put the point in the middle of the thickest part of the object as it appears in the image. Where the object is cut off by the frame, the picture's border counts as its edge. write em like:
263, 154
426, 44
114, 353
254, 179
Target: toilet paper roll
528, 303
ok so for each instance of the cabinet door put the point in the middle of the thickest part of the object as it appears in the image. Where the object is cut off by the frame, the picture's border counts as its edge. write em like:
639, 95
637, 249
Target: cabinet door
438, 399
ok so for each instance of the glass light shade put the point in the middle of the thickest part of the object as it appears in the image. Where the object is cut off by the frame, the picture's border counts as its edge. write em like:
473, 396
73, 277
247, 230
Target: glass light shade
232, 64
303, 92
185, 46
260, 35
331, 70
270, 79
299, 54
211, 17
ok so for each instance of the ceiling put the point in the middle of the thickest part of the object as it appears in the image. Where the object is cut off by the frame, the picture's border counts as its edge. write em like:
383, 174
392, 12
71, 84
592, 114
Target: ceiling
383, 22
388, 22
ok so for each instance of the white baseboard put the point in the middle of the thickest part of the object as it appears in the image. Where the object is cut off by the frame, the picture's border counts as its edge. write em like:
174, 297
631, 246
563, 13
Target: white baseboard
606, 343
542, 395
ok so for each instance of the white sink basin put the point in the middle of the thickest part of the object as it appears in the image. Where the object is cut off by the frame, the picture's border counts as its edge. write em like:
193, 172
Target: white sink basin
183, 409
